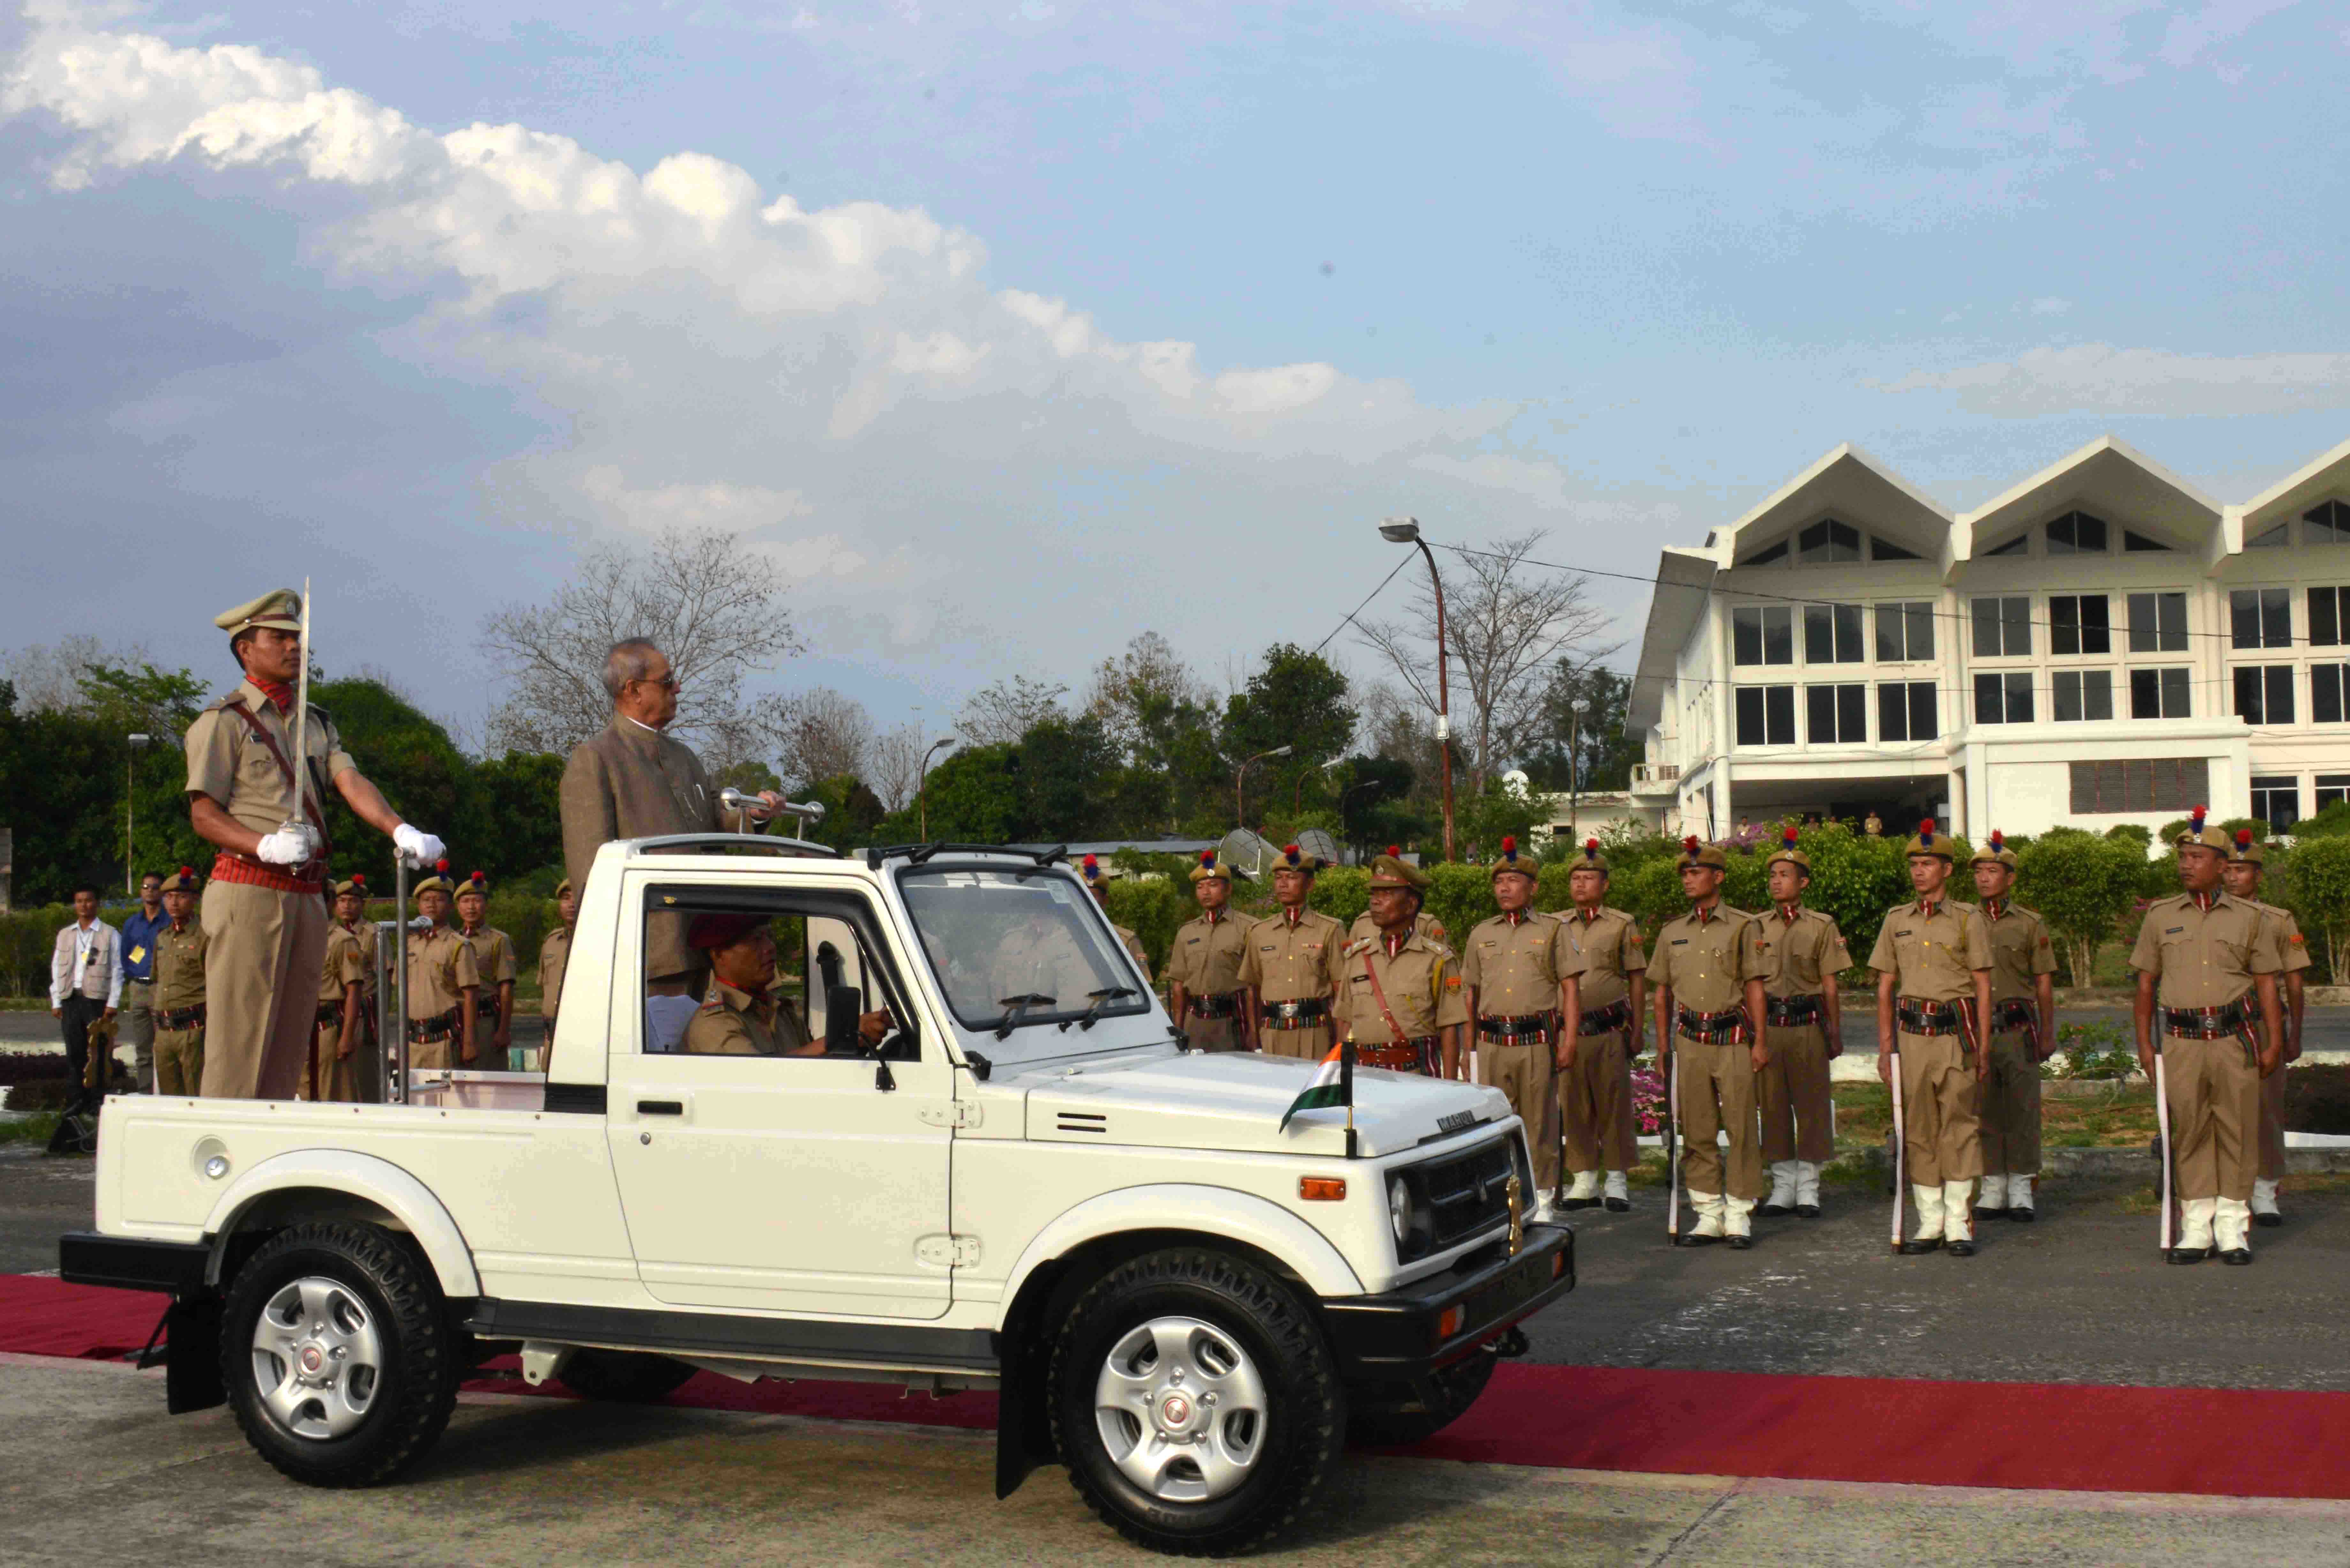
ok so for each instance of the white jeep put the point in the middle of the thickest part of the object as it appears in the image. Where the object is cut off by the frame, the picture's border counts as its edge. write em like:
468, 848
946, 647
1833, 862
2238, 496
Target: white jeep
1187, 1304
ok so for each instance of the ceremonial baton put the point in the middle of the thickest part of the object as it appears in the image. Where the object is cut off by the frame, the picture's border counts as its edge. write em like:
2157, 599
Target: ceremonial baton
1900, 1144
2162, 1122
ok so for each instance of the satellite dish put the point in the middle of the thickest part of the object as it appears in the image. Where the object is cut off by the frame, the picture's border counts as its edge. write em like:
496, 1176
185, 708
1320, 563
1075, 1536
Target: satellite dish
1319, 845
1247, 853
1516, 780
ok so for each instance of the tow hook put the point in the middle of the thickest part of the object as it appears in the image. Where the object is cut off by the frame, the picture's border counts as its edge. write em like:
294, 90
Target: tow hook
1513, 1341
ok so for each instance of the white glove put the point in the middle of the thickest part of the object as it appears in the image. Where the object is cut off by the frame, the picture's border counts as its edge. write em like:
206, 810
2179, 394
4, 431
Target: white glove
420, 847
287, 847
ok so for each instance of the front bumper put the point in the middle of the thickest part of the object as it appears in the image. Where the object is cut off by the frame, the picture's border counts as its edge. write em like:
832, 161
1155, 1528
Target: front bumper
1404, 1335
131, 1262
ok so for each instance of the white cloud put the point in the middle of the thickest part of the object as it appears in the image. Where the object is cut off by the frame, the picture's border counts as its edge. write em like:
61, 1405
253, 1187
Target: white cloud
2050, 304
2219, 22
2097, 377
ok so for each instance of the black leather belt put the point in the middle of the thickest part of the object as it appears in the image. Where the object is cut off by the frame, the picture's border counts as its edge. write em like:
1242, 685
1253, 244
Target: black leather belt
425, 1031
2013, 1014
1918, 1016
330, 1013
1225, 1006
1307, 1013
182, 1018
1524, 1026
2205, 1022
1604, 1020
485, 1005
1710, 1028
1793, 1011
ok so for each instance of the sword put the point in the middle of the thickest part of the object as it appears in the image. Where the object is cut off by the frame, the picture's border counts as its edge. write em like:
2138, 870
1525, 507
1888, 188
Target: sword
1901, 1145
2162, 1122
1673, 1145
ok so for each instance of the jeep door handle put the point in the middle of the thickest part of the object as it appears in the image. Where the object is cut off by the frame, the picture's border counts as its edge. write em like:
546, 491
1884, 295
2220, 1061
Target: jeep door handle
661, 1108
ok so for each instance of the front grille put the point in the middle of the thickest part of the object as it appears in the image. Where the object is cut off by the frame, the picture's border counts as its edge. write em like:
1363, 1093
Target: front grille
1467, 1194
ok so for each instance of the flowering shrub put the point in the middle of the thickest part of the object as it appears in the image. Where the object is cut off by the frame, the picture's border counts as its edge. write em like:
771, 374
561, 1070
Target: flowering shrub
1649, 1100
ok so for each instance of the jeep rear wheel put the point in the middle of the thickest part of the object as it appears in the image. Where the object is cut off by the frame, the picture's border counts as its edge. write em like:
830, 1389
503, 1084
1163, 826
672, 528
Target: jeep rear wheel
1195, 1402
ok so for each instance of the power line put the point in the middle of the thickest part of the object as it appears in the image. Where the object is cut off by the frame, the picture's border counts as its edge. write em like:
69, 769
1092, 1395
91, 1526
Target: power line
1350, 615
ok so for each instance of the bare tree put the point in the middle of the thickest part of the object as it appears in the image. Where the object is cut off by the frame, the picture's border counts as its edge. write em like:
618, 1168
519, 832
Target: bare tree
1393, 724
1146, 681
1000, 712
48, 678
1509, 622
712, 604
825, 736
894, 767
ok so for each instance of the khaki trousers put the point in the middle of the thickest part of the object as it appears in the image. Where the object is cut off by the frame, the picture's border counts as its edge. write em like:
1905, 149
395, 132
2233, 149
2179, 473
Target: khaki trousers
1717, 1094
1797, 1119
138, 1015
1595, 1097
266, 950
2009, 1110
180, 1061
2272, 1125
1213, 1034
336, 1075
1941, 1129
2215, 1117
1309, 1044
436, 1054
1522, 1072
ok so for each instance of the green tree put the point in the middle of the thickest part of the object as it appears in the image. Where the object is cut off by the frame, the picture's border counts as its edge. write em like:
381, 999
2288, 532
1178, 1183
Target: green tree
974, 798
1296, 699
517, 801
2317, 891
422, 773
852, 815
1482, 822
2082, 886
1602, 755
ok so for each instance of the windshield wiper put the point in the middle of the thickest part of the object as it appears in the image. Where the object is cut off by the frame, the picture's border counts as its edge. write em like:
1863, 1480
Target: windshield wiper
1100, 1000
1016, 1006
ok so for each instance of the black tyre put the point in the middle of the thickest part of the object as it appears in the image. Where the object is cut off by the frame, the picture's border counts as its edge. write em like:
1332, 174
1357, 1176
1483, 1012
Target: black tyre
1195, 1402
338, 1355
1457, 1388
624, 1376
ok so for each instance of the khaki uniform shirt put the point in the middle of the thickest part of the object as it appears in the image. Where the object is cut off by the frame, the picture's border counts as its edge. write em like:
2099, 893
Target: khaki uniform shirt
736, 1023
350, 961
1608, 942
1932, 956
552, 954
439, 967
2020, 952
180, 966
1515, 966
1206, 958
1706, 962
2287, 932
1134, 948
1422, 924
1423, 991
226, 762
1801, 957
493, 954
1299, 960
1043, 962
2205, 958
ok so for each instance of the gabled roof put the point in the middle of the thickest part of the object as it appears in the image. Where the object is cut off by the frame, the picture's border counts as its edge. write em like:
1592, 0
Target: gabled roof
2292, 494
2109, 478
1856, 489
1675, 603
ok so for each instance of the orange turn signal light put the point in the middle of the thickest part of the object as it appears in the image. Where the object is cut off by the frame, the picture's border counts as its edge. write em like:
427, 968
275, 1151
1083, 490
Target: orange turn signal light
1322, 1189
1557, 1265
1448, 1323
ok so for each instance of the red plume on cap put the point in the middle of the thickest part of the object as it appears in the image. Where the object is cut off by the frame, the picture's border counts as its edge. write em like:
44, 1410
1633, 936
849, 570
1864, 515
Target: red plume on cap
1207, 858
442, 866
1509, 846
1787, 835
1998, 841
1925, 829
476, 876
1091, 867
1289, 852
1394, 852
2243, 837
2197, 816
358, 878
1688, 844
1591, 849
187, 870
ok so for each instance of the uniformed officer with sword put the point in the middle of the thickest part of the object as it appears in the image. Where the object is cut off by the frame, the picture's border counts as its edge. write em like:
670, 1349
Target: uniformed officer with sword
1709, 991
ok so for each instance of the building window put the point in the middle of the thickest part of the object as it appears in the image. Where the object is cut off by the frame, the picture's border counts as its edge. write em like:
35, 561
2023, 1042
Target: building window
2277, 801
2079, 623
2273, 538
2325, 686
2157, 623
2076, 533
2002, 627
2083, 694
1766, 715
1824, 544
2327, 523
2158, 693
2139, 545
1881, 550
2264, 693
2003, 699
2164, 783
2326, 617
1832, 635
2260, 618
1904, 633
2020, 544
1762, 636
2333, 789
1904, 710
1837, 715
1777, 552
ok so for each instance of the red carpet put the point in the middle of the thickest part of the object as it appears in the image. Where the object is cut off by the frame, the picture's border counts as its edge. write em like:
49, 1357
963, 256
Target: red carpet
2218, 1441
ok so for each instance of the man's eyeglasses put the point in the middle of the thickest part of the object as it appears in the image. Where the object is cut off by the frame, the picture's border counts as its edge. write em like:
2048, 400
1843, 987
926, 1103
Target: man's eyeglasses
667, 682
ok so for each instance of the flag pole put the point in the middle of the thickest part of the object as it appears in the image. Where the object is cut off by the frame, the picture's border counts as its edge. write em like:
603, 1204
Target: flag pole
1347, 1087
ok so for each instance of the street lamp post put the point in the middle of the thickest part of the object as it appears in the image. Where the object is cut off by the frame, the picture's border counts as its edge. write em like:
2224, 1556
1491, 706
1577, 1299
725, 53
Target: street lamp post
1240, 782
922, 787
1297, 796
1406, 531
130, 813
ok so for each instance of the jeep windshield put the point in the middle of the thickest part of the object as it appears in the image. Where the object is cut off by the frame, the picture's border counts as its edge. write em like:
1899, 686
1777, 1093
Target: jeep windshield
1014, 949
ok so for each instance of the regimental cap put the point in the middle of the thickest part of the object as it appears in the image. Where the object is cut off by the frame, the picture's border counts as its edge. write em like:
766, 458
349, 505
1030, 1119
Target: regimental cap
475, 882
1592, 858
2198, 832
1696, 853
1211, 865
1788, 852
1928, 841
1295, 860
280, 609
563, 887
184, 881
1392, 870
1509, 859
1995, 853
437, 883
1094, 874
2247, 850
718, 929
354, 883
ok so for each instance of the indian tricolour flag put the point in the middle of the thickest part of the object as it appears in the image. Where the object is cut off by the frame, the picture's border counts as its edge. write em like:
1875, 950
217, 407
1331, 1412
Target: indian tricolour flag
1333, 1084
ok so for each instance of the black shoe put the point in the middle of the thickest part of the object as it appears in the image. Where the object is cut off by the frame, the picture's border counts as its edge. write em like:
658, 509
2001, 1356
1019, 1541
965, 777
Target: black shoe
2268, 1221
1740, 1244
2188, 1254
2239, 1256
1961, 1247
1693, 1240
1619, 1206
2020, 1216
1919, 1249
1774, 1209
1576, 1203
1807, 1210
1982, 1214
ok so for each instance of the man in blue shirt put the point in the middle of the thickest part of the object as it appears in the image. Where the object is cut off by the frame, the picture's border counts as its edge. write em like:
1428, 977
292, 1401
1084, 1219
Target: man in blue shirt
139, 933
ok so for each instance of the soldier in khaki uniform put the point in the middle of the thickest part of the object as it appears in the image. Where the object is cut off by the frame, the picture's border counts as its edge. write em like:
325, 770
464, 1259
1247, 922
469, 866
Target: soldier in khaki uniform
1802, 952
2241, 876
264, 913
1708, 1004
742, 1016
1422, 924
1933, 963
1203, 967
1295, 965
1097, 878
442, 981
1402, 1005
180, 955
1596, 1084
2023, 1036
494, 956
554, 956
1519, 971
2206, 966
343, 999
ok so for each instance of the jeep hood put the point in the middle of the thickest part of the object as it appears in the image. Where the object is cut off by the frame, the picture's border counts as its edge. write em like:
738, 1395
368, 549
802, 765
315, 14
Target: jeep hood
1235, 1100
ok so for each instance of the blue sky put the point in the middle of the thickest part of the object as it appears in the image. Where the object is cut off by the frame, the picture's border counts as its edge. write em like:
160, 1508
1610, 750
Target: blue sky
1014, 330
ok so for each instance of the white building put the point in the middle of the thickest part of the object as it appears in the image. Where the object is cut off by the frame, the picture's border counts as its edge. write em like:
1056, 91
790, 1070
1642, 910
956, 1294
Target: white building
2102, 644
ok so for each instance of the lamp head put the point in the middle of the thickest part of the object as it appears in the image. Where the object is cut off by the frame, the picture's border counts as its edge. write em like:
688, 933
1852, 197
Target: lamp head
1401, 530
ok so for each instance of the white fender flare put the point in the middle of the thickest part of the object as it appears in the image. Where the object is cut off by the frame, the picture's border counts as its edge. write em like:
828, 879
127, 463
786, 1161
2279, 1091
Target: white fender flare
364, 1176
1183, 1205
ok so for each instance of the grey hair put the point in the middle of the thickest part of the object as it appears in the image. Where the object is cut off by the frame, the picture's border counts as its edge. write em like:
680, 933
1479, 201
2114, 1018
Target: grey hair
625, 661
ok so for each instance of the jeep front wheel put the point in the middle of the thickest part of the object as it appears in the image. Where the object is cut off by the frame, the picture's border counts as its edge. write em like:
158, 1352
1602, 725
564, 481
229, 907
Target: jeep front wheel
1195, 1402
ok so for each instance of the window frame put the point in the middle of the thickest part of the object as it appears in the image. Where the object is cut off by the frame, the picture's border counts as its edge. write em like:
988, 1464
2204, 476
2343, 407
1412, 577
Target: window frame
1911, 620
2273, 784
1766, 699
2078, 628
2265, 682
2163, 682
2158, 636
1833, 619
1914, 695
2255, 616
2072, 519
2005, 684
1760, 617
1847, 703
1827, 527
852, 907
2329, 684
2088, 689
2004, 625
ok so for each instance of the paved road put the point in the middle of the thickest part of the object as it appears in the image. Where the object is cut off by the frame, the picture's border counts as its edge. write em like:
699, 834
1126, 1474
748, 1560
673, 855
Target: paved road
96, 1472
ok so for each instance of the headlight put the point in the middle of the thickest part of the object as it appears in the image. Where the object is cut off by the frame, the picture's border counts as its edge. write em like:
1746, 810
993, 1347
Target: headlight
1399, 1208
